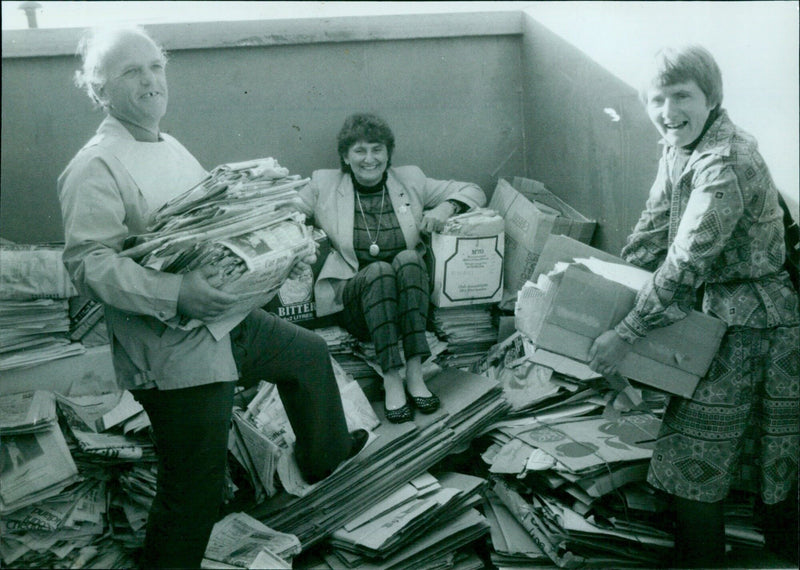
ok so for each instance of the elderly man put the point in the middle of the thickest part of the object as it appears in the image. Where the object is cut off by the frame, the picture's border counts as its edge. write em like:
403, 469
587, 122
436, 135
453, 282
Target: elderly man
184, 379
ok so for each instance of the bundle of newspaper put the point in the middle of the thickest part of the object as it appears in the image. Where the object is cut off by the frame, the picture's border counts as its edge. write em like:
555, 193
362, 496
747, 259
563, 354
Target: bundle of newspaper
107, 427
242, 221
240, 541
35, 466
27, 412
34, 314
33, 271
468, 331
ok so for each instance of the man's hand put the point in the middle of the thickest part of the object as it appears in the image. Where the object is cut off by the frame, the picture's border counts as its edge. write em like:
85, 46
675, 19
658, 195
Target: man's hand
303, 265
199, 299
433, 220
606, 353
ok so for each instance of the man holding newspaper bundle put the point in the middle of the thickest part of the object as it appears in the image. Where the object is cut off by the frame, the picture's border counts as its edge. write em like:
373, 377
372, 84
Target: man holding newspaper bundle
185, 379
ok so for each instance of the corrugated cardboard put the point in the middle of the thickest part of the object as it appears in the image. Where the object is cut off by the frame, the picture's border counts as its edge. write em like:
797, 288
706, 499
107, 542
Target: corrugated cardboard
563, 248
467, 270
531, 214
671, 358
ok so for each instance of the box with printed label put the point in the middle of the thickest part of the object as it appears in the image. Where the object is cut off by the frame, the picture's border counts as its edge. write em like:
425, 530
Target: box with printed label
467, 270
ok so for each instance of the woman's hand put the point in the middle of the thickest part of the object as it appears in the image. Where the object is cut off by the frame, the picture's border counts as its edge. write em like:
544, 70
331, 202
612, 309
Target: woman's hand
606, 353
199, 299
433, 220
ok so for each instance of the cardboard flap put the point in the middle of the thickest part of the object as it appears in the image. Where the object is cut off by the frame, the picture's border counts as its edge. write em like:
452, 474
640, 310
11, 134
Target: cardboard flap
677, 344
610, 302
563, 248
531, 214
523, 219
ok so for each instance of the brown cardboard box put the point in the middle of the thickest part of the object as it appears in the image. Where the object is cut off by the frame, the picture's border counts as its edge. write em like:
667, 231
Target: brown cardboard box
531, 214
467, 270
584, 305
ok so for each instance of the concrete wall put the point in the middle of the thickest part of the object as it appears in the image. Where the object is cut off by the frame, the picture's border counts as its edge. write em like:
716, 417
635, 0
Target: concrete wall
451, 92
469, 96
587, 135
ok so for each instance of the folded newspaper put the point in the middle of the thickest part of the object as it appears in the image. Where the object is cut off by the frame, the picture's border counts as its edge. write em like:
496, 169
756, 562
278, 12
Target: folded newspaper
30, 271
241, 220
241, 541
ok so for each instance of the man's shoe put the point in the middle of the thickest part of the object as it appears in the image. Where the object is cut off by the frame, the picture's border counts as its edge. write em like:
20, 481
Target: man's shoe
359, 437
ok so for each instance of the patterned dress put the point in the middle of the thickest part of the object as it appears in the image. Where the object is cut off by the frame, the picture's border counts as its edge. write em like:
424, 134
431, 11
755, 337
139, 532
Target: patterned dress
713, 221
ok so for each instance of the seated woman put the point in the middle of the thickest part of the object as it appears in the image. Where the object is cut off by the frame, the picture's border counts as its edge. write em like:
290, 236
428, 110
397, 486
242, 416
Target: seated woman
375, 275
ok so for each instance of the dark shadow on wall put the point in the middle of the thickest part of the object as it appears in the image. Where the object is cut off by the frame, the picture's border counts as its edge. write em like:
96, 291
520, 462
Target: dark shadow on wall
587, 136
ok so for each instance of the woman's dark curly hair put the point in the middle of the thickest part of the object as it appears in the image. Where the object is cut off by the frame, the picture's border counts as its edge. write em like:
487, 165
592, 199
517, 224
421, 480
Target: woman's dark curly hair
363, 127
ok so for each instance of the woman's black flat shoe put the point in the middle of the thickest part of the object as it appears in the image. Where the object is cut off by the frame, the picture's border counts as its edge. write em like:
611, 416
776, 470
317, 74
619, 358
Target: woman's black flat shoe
402, 414
426, 404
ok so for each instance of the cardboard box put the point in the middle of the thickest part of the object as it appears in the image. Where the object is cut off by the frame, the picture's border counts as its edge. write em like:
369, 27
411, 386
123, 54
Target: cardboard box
583, 305
467, 270
531, 214
295, 299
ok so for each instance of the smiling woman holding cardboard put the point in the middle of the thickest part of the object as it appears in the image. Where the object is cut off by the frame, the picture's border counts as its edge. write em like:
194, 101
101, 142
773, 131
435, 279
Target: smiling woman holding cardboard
713, 219
375, 276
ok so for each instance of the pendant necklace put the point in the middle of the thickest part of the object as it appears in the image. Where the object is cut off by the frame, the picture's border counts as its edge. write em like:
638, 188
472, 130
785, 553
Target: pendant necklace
374, 249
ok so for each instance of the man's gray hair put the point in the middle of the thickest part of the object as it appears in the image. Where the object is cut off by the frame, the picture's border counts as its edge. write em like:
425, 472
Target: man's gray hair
93, 49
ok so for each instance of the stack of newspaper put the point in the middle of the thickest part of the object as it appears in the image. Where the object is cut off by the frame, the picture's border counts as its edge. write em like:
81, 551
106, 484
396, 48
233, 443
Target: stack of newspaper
34, 310
469, 332
61, 531
35, 462
342, 345
241, 221
130, 501
27, 412
107, 427
55, 509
